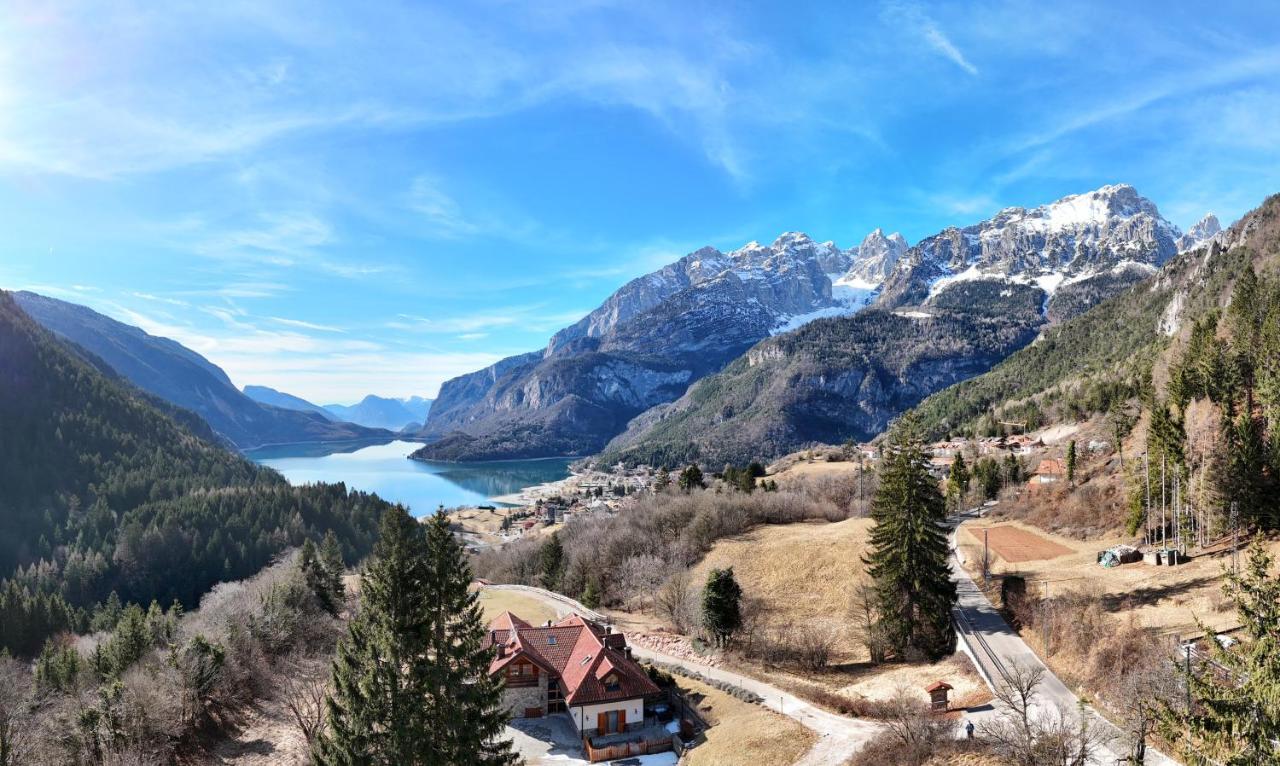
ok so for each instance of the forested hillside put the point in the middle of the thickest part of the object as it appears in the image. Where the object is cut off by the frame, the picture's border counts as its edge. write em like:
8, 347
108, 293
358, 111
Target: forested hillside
107, 490
829, 381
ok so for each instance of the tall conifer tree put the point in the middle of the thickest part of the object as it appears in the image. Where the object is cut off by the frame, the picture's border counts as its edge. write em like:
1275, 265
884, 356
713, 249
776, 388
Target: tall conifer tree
465, 715
377, 703
908, 559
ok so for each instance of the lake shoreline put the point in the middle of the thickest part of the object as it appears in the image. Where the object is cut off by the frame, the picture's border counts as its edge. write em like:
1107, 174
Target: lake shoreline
382, 468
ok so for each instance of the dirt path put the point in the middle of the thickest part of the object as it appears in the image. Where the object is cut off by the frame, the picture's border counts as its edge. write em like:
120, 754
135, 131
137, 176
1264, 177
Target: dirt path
267, 737
838, 736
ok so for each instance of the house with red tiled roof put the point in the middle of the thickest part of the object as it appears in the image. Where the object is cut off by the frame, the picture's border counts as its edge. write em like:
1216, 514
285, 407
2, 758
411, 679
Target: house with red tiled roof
574, 666
1049, 471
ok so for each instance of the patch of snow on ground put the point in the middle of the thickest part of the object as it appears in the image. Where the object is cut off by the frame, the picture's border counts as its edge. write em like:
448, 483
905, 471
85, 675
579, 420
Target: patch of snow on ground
914, 314
968, 275
1049, 282
849, 300
853, 283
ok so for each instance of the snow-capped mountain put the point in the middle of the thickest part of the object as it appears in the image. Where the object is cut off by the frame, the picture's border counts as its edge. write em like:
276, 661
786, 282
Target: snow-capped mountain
1112, 235
659, 333
1205, 229
788, 278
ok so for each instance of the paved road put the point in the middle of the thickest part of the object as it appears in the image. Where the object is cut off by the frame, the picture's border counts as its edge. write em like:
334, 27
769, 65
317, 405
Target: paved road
838, 736
996, 647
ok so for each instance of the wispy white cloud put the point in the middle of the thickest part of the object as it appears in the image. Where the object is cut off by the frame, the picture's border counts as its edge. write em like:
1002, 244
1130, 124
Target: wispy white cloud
538, 317
912, 19
306, 325
442, 213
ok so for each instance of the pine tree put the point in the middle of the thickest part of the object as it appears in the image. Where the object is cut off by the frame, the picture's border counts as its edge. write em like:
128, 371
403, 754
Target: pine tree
1071, 462
376, 709
959, 475
551, 563
908, 559
465, 714
590, 597
1247, 480
691, 477
722, 605
1234, 718
662, 480
334, 567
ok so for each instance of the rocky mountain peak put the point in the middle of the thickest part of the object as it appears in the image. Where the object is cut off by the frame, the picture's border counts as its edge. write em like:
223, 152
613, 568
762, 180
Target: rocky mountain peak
875, 259
1077, 238
1205, 229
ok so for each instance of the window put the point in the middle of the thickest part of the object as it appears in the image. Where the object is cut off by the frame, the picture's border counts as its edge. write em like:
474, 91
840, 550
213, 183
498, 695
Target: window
551, 640
611, 683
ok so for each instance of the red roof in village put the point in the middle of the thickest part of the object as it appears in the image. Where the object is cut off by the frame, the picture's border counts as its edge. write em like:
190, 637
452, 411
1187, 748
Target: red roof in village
1050, 467
577, 651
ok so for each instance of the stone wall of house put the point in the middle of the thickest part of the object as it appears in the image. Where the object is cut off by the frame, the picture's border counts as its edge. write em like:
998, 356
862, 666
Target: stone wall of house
517, 699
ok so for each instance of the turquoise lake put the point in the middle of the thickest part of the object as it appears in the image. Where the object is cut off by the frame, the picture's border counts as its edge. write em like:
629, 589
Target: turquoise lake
386, 470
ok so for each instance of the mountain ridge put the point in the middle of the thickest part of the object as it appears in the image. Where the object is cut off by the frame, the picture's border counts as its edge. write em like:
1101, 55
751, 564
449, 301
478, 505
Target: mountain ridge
175, 373
657, 335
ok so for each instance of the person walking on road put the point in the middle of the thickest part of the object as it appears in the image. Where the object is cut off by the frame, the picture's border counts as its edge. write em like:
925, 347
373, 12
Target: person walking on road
968, 729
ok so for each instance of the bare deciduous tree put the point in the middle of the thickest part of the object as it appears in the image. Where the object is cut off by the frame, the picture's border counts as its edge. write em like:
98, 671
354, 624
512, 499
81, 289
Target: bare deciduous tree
864, 611
677, 602
915, 730
16, 722
303, 686
1027, 733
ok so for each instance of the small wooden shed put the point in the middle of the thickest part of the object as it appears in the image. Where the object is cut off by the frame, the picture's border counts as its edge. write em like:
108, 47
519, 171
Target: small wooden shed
938, 695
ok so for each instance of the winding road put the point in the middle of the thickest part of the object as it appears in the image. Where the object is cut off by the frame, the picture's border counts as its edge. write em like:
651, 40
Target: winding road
995, 647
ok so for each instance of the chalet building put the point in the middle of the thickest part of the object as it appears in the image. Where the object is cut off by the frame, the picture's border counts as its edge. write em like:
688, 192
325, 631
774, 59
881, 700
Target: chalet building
574, 666
1050, 471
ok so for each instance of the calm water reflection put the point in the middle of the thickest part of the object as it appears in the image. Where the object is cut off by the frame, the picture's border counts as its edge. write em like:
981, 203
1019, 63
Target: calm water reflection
386, 469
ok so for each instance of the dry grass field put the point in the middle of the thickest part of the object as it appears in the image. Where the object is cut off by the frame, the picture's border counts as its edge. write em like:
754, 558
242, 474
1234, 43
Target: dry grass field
743, 734
802, 573
495, 602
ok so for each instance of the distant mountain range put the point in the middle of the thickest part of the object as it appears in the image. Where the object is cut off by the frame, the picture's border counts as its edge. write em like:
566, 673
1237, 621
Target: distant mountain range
372, 411
384, 412
180, 376
947, 308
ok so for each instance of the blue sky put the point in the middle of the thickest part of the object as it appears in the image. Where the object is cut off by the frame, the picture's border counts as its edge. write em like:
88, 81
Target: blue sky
343, 198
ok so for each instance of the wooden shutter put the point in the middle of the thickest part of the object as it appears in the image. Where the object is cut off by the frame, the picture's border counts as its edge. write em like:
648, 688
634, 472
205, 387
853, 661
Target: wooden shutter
602, 721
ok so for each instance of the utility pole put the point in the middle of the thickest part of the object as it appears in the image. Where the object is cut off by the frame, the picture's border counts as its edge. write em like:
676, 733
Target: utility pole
1235, 539
1188, 648
1047, 611
862, 469
985, 569
1164, 469
1146, 488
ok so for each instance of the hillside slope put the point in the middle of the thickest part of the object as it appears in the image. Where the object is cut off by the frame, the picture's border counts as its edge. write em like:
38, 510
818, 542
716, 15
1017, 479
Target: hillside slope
106, 489
182, 377
268, 395
383, 412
